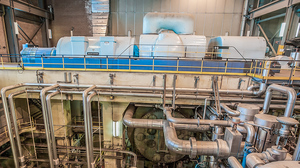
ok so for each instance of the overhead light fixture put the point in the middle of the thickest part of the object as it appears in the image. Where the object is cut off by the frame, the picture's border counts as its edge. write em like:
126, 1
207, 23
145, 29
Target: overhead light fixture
282, 27
116, 128
297, 32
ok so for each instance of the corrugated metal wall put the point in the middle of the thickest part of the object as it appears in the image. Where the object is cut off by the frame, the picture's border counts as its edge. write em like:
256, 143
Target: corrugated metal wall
212, 17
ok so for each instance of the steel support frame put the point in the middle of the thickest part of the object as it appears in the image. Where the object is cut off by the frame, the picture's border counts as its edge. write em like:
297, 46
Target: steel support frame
12, 37
287, 20
26, 7
271, 7
12, 5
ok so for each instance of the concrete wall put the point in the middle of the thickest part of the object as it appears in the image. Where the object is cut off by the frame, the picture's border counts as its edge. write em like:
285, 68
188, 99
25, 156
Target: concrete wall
68, 14
212, 17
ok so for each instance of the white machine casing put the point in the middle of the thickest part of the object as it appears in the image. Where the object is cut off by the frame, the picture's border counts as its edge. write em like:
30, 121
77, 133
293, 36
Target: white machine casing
249, 47
108, 45
170, 44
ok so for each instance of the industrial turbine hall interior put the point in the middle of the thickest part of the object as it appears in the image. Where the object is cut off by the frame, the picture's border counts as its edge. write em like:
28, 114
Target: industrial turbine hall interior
150, 84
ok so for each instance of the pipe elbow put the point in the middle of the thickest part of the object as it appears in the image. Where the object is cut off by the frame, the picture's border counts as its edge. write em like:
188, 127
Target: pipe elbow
230, 111
86, 91
261, 91
173, 143
170, 118
234, 163
128, 122
252, 87
5, 89
250, 133
254, 160
127, 119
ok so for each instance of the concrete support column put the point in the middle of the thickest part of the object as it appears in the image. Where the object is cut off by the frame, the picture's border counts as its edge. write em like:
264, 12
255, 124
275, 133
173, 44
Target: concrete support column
112, 114
61, 116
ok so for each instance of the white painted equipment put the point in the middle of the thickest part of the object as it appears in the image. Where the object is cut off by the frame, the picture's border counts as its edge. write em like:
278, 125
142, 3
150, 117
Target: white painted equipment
109, 45
170, 35
239, 47
180, 23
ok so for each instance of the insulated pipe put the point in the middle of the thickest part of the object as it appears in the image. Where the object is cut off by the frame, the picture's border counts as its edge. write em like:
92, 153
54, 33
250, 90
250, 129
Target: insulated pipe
234, 163
250, 133
17, 135
46, 120
192, 147
292, 96
87, 124
51, 125
249, 130
185, 147
229, 111
168, 113
168, 96
156, 123
252, 87
296, 155
190, 90
90, 121
255, 160
140, 123
8, 121
261, 91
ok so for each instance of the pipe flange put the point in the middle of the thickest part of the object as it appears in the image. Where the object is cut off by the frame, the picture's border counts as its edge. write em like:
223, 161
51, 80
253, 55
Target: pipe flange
193, 143
223, 149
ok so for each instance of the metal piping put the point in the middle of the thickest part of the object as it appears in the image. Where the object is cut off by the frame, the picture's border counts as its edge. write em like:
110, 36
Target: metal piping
296, 155
192, 147
292, 96
234, 163
140, 123
249, 130
89, 147
190, 90
250, 133
51, 125
255, 160
90, 122
250, 100
170, 118
229, 111
8, 121
261, 91
17, 135
46, 120
156, 123
252, 87
104, 150
130, 153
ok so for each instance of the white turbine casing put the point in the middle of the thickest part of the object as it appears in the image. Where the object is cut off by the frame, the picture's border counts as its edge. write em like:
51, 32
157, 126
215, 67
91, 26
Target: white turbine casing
169, 44
249, 47
179, 23
108, 45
